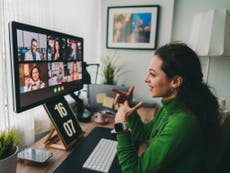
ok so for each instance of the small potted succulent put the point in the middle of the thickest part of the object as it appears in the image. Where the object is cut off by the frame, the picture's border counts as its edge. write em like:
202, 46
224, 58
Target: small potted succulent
8, 151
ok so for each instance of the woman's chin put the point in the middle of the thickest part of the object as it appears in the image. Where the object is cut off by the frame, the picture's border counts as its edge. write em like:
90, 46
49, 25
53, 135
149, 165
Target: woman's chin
154, 95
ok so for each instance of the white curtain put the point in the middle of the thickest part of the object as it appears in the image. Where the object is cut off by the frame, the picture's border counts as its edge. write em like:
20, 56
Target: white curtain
77, 17
32, 12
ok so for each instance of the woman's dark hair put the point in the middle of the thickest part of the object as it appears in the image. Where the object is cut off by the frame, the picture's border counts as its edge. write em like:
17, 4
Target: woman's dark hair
31, 71
55, 50
33, 40
180, 60
60, 51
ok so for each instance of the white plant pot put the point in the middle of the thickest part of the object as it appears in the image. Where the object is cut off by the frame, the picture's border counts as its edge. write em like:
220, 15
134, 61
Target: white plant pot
9, 164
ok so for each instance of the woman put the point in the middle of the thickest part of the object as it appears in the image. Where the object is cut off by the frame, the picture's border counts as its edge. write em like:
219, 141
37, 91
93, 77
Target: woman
34, 82
74, 52
184, 132
74, 73
60, 76
57, 54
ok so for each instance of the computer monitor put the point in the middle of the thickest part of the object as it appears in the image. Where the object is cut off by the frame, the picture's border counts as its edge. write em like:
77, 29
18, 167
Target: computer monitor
101, 97
45, 64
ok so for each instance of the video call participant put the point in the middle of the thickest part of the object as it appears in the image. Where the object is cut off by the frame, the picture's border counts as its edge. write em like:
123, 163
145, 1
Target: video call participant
57, 53
184, 134
34, 82
74, 73
60, 76
33, 54
74, 51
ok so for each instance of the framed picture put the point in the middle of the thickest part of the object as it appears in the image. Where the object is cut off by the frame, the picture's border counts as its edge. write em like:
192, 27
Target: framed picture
132, 27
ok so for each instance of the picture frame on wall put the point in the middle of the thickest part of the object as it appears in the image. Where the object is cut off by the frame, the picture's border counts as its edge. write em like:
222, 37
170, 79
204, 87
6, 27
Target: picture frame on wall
132, 27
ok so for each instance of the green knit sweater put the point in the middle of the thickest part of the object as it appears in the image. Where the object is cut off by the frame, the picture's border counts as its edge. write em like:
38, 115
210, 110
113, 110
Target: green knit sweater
175, 143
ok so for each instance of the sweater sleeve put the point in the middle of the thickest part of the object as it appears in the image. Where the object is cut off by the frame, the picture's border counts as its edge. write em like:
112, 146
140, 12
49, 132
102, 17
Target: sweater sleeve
162, 150
140, 131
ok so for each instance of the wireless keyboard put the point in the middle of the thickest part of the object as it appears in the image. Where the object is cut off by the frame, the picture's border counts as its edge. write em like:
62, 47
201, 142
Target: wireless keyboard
102, 156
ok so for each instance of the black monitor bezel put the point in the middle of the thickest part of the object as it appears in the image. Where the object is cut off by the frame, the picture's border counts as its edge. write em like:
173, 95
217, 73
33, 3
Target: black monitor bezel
13, 27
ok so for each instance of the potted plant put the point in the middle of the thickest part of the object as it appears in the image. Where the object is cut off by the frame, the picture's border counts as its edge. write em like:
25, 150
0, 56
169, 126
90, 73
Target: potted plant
111, 70
8, 151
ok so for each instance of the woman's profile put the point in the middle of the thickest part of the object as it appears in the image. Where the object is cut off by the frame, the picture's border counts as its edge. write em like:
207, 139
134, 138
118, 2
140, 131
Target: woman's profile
184, 135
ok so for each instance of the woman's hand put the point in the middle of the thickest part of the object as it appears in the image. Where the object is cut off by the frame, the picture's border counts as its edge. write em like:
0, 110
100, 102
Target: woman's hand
122, 96
28, 82
124, 111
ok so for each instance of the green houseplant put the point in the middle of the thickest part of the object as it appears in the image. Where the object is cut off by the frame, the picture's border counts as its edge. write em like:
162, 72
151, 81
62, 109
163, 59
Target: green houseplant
8, 151
111, 71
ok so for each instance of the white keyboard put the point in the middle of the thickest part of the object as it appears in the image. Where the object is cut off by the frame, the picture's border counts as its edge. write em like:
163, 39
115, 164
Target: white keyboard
102, 156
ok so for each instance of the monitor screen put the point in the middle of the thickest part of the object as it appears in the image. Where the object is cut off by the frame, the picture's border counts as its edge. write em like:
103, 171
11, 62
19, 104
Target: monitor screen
45, 64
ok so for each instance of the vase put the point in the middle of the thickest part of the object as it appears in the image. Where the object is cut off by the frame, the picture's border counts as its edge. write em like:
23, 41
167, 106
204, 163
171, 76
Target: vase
9, 164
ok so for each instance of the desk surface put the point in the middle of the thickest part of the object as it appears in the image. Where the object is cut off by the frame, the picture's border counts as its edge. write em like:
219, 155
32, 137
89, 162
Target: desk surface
59, 155
73, 163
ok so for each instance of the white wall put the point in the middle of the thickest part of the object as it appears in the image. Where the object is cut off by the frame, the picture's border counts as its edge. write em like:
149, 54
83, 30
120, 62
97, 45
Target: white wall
182, 16
80, 18
219, 66
137, 61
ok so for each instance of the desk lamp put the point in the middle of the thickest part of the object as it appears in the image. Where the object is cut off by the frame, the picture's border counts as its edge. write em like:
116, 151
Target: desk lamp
82, 113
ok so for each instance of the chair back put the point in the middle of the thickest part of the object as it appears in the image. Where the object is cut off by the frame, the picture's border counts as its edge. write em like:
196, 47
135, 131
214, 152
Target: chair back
223, 165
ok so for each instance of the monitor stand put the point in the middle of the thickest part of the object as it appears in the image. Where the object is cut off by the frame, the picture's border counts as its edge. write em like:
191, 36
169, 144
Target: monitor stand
53, 140
82, 114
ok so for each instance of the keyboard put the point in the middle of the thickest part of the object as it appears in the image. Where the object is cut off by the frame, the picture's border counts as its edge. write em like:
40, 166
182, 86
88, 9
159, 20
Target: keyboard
102, 156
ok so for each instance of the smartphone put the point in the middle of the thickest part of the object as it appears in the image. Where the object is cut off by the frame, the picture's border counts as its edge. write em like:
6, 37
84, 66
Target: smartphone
34, 155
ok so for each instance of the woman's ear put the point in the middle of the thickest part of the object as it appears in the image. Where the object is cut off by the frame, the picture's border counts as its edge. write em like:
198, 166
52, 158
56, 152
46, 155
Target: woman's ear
177, 81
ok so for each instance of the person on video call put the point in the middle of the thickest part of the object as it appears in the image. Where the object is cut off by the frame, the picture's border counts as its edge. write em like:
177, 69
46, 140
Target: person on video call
74, 73
57, 54
60, 76
184, 132
34, 82
33, 54
74, 54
